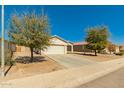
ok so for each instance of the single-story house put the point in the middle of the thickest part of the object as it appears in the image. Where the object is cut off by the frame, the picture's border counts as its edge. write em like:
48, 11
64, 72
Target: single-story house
58, 46
80, 47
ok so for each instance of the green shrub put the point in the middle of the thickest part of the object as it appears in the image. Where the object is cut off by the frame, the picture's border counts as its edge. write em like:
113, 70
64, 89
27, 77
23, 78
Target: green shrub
120, 53
8, 57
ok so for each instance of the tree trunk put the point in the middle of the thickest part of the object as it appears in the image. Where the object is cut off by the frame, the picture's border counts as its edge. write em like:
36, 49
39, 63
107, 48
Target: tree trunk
31, 49
95, 52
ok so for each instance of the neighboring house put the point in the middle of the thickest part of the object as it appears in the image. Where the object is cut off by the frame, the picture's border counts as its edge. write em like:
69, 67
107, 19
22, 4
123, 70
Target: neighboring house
79, 47
58, 46
117, 50
8, 45
22, 49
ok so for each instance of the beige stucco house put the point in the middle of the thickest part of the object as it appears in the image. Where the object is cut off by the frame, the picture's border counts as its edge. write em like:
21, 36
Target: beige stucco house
80, 47
58, 46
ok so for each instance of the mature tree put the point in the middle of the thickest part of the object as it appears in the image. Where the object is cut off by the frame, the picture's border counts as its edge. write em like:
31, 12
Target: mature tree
97, 38
30, 30
111, 47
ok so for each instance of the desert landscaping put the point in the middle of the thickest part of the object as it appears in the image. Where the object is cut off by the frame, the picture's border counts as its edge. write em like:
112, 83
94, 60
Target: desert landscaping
20, 70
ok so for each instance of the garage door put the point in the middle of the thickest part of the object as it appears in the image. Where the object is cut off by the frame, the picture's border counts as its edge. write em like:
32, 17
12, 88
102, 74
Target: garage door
55, 50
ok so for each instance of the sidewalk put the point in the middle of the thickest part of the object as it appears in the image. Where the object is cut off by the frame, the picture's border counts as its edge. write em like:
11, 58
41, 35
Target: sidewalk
68, 77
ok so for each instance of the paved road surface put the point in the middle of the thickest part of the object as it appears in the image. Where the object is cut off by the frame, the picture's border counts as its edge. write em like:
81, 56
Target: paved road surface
70, 60
112, 80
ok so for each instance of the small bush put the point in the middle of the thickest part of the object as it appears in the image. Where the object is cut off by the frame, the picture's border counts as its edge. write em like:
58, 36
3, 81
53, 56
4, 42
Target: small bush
120, 53
8, 57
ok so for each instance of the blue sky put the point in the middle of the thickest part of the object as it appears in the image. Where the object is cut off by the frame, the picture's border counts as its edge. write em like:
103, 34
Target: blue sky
70, 22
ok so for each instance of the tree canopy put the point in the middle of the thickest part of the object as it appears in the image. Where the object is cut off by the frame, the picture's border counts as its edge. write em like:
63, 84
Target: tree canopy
30, 30
97, 38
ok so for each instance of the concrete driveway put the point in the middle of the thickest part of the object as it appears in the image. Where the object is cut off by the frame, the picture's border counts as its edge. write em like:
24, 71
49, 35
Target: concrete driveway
71, 60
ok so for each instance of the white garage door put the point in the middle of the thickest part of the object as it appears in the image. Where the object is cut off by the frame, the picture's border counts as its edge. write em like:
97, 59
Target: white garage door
55, 50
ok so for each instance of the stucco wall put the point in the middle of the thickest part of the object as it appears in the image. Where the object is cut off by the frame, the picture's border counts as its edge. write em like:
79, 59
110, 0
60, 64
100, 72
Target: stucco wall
56, 41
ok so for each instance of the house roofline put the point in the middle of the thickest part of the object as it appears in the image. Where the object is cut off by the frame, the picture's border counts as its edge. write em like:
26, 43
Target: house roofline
61, 39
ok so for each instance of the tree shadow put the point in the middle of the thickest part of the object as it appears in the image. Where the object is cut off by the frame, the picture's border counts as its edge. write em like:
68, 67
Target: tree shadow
26, 59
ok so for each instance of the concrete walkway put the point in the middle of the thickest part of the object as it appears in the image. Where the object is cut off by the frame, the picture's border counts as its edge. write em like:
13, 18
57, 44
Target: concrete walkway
70, 60
67, 78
